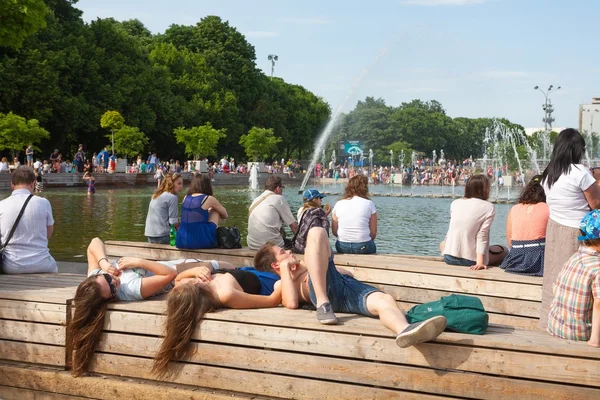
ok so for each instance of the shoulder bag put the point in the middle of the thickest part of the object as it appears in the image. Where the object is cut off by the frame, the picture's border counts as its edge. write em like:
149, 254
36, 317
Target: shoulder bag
12, 231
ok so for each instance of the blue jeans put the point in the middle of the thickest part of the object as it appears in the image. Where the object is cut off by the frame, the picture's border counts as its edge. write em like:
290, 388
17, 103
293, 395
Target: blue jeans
159, 239
463, 262
346, 294
356, 248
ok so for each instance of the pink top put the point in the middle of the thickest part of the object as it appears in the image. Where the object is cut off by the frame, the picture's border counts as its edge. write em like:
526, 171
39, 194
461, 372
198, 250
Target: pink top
469, 231
529, 221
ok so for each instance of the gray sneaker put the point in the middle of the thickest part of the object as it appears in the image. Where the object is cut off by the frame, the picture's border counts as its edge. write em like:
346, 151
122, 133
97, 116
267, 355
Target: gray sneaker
325, 314
420, 332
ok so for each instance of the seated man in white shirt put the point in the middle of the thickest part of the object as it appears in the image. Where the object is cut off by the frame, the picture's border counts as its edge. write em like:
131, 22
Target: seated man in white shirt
267, 213
27, 252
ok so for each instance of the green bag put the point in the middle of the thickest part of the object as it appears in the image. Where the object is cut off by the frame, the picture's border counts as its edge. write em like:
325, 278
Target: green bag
465, 314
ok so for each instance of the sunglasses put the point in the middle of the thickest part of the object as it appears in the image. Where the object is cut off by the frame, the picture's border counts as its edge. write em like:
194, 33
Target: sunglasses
113, 288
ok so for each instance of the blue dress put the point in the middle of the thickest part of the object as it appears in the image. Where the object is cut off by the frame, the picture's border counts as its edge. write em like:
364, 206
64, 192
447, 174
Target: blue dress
195, 231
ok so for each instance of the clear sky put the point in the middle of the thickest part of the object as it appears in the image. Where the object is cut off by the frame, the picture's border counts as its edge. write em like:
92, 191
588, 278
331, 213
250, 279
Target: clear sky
479, 58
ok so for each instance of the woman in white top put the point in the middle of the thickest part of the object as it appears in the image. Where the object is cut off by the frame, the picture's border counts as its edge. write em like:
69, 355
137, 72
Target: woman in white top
4, 165
571, 191
354, 219
467, 242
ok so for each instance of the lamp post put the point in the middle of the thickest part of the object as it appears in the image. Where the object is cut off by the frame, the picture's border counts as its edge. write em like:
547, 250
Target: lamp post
273, 58
548, 119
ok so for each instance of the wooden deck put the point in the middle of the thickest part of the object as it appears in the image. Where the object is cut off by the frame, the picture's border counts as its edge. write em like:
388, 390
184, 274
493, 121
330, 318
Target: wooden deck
280, 353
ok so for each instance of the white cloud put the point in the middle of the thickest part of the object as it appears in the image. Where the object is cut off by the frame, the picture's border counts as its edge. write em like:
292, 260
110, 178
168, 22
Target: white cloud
308, 21
261, 34
432, 3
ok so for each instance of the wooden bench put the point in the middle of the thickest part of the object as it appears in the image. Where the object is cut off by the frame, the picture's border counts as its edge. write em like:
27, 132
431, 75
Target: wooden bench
280, 353
511, 300
34, 311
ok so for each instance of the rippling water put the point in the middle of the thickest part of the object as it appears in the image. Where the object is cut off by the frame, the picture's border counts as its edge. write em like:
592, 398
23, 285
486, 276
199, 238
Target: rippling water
406, 225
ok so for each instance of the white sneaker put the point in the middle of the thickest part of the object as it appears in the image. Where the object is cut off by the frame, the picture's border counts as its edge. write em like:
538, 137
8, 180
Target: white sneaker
420, 332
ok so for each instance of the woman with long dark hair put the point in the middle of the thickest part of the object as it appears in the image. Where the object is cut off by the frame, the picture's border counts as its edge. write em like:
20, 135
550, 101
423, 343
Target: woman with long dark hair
354, 219
526, 231
571, 191
194, 295
201, 214
467, 242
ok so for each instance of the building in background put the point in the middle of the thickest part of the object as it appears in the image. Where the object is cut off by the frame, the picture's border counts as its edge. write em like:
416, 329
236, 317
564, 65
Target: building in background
589, 116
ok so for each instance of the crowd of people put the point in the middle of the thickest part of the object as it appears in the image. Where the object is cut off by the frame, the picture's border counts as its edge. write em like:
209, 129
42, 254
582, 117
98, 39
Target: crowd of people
553, 231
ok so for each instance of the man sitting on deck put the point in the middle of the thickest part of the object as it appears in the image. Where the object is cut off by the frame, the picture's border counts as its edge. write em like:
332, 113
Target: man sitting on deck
330, 290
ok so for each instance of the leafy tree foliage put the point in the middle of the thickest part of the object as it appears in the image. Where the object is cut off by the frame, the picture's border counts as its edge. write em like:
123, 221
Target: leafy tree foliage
16, 133
69, 73
20, 18
200, 141
130, 141
112, 120
259, 143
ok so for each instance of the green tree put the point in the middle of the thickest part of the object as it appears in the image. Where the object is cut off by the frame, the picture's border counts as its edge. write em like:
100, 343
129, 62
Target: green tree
130, 141
16, 133
20, 18
259, 143
113, 121
200, 141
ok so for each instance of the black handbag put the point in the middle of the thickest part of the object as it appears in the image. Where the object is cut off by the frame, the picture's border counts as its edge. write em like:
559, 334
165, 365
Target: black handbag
229, 237
12, 231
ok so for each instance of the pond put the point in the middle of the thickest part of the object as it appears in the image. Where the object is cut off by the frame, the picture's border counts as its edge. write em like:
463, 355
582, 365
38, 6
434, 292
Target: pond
405, 225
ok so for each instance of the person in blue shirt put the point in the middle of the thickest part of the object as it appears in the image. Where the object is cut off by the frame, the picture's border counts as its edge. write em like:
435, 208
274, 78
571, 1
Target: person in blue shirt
103, 159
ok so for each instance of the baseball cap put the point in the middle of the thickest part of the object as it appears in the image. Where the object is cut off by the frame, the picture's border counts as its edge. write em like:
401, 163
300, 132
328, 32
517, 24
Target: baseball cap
590, 226
311, 194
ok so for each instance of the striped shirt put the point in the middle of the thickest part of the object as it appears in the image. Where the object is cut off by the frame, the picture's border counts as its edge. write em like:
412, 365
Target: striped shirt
575, 290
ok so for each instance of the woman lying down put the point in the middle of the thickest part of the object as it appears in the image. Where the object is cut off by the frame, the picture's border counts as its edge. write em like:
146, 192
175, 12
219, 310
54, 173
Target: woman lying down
195, 287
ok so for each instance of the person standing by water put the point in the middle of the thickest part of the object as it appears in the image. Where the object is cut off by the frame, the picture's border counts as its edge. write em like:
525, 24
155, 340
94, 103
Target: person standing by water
526, 231
571, 191
201, 214
29, 155
90, 179
467, 242
163, 210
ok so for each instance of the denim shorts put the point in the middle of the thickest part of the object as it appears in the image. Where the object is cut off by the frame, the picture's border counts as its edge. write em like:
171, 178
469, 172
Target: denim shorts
346, 294
356, 248
463, 262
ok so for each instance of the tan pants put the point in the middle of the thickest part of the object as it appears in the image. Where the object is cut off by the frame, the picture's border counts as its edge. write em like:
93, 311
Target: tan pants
561, 243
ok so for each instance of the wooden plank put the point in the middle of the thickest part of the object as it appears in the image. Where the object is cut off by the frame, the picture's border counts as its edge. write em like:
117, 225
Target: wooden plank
32, 311
525, 308
381, 261
280, 386
502, 337
447, 283
458, 351
32, 353
55, 296
106, 387
12, 393
351, 371
33, 332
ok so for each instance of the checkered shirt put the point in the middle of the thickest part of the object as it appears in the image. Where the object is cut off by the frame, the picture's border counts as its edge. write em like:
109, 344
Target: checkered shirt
575, 289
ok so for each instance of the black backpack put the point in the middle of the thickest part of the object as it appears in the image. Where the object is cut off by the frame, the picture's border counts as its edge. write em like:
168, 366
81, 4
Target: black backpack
229, 237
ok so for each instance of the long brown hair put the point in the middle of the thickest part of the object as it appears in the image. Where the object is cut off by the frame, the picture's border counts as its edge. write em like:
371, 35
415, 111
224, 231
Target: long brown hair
87, 323
357, 186
478, 186
311, 204
167, 185
186, 305
200, 184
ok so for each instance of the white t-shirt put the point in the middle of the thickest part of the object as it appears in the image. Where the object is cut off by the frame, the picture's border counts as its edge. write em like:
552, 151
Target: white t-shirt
353, 217
566, 199
131, 279
266, 219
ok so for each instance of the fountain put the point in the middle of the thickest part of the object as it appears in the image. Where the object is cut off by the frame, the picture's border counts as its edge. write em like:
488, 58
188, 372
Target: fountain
413, 160
253, 177
371, 160
442, 163
401, 164
335, 117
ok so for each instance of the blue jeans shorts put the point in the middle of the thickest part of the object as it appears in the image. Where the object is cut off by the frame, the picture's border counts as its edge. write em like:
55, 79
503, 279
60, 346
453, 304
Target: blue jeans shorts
463, 262
346, 294
356, 248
